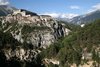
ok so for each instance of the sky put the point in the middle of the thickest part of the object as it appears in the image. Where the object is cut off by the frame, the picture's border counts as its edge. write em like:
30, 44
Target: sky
56, 8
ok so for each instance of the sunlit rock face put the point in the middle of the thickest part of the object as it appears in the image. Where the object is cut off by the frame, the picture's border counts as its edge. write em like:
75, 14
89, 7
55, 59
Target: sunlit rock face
21, 54
38, 31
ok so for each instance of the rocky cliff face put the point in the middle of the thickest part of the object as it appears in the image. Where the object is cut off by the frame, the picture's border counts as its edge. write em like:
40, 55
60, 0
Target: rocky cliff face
32, 31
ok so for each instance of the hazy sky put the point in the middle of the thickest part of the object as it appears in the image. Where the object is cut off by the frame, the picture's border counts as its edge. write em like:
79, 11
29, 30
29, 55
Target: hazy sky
57, 7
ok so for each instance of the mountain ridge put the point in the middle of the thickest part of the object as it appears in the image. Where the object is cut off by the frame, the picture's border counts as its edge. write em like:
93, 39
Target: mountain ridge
6, 9
86, 18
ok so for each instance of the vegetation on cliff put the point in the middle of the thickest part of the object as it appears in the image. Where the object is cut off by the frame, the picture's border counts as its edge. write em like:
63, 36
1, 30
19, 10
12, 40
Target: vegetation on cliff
70, 50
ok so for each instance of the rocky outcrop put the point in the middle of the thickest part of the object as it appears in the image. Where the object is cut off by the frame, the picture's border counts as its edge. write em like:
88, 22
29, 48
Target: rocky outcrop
34, 32
40, 33
21, 54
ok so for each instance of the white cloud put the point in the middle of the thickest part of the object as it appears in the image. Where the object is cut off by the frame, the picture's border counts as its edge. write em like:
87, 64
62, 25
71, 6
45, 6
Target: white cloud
61, 15
70, 15
94, 8
97, 6
51, 14
74, 7
4, 2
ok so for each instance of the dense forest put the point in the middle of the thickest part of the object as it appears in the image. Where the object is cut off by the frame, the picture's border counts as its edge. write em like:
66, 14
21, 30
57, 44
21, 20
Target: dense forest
69, 50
